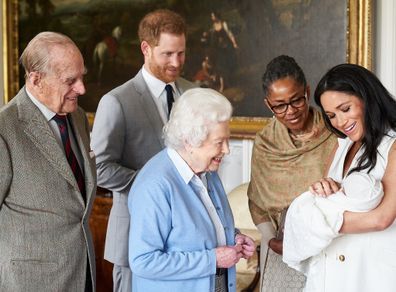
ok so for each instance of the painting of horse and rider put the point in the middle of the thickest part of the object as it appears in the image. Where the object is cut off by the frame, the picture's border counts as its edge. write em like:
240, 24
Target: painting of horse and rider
229, 42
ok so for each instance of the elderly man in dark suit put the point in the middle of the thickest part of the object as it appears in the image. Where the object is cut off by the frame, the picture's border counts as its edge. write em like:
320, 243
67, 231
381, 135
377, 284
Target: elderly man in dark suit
127, 130
47, 175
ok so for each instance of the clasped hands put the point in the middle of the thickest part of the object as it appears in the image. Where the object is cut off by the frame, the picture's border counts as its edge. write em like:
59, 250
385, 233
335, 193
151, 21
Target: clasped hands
228, 256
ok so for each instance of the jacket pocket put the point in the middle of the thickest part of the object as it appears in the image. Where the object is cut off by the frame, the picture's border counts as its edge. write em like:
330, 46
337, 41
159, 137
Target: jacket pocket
31, 275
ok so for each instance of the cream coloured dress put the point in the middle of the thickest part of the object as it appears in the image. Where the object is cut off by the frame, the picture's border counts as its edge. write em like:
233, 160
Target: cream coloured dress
363, 262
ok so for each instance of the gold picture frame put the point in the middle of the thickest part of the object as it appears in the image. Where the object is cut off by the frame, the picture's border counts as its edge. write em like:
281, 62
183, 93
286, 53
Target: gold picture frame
358, 51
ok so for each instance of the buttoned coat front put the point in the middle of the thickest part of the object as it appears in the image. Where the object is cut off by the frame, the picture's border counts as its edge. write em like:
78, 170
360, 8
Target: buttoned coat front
173, 239
45, 240
362, 262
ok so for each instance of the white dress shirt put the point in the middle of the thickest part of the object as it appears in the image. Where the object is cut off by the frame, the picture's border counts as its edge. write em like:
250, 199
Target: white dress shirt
158, 93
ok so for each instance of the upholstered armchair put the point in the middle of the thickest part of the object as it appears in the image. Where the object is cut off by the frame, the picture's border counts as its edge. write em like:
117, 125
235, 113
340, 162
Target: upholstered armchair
248, 273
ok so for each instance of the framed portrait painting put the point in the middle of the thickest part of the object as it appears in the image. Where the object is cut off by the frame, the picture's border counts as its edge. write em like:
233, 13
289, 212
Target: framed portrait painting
229, 42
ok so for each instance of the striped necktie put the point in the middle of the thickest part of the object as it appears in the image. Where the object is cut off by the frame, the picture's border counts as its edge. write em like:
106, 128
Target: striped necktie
71, 157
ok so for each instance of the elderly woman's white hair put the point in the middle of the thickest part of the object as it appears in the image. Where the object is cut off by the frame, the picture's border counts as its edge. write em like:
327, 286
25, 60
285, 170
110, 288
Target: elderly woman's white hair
192, 116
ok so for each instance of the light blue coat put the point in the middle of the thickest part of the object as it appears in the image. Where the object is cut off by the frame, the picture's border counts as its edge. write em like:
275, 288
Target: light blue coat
172, 239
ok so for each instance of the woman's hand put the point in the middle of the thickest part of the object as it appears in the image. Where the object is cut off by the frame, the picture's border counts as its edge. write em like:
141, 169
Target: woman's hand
228, 256
325, 187
276, 245
248, 245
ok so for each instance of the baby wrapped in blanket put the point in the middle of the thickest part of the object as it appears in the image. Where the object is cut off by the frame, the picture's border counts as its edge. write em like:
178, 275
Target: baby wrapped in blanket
312, 222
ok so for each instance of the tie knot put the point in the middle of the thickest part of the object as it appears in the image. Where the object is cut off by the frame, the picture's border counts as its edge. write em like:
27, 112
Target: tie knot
169, 89
60, 120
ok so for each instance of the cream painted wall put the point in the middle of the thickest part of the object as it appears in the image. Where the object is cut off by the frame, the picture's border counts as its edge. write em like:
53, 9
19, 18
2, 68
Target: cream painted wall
385, 43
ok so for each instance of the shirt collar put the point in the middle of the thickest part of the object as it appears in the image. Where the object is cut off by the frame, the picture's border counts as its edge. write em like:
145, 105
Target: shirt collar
155, 85
182, 167
48, 114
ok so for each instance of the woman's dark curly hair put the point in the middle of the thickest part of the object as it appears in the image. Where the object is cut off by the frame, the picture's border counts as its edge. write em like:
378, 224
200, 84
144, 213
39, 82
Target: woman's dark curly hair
379, 106
282, 67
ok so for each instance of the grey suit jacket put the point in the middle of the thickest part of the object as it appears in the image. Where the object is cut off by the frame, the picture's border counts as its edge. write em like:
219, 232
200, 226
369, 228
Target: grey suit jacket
127, 132
45, 240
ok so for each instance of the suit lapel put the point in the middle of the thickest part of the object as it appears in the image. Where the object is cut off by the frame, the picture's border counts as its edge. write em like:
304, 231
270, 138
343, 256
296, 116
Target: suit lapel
149, 106
40, 133
183, 85
83, 145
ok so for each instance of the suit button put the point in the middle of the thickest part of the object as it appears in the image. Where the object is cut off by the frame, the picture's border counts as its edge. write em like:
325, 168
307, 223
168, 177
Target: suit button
341, 258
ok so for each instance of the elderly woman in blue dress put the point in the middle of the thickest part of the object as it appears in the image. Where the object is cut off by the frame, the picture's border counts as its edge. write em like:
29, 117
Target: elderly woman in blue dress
182, 234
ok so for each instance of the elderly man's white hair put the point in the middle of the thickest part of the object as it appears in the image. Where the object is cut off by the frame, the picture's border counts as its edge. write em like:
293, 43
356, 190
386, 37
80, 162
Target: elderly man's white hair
192, 116
37, 55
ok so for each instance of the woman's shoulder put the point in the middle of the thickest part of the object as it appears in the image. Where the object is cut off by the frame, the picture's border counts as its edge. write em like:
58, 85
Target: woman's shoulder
156, 168
156, 178
387, 142
386, 154
271, 128
391, 134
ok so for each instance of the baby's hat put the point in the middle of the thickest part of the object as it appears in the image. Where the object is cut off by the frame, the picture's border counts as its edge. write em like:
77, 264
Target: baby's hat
361, 185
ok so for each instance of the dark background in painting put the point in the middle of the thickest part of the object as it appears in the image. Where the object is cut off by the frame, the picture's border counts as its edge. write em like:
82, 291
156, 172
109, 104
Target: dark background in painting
313, 32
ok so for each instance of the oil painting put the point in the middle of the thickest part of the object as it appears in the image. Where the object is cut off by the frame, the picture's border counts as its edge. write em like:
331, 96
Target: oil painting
229, 42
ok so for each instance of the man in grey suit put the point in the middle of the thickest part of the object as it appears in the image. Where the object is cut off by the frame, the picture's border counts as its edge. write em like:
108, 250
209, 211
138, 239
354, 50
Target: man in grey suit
46, 189
127, 130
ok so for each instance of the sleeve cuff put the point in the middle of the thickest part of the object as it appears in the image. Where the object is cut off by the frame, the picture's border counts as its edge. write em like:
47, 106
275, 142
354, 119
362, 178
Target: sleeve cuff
267, 232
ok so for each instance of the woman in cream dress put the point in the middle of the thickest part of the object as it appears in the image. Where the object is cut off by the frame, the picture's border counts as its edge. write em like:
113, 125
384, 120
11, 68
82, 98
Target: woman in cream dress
358, 108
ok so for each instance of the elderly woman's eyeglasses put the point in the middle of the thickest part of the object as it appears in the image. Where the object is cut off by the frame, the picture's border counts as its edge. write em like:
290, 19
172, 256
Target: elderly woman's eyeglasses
295, 103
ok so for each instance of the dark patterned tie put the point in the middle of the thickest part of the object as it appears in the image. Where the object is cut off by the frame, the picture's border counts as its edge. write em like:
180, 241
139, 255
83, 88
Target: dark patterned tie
169, 97
71, 158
